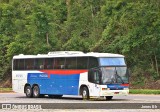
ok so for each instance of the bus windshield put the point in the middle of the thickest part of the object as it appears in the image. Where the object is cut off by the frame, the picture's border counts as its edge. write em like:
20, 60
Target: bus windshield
115, 61
113, 75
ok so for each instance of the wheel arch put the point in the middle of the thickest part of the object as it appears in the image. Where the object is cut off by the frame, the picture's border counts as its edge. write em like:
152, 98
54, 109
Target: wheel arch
81, 87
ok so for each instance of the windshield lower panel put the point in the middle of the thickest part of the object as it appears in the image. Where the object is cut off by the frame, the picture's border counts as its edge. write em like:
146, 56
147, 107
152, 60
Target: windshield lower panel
114, 75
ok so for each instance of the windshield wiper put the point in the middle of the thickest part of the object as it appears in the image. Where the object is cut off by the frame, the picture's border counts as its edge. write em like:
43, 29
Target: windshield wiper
119, 77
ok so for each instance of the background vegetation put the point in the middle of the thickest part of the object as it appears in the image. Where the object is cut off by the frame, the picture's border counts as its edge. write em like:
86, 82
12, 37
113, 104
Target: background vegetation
128, 27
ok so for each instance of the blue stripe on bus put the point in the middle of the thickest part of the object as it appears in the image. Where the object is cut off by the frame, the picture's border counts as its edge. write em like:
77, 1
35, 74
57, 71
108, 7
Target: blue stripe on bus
56, 84
116, 86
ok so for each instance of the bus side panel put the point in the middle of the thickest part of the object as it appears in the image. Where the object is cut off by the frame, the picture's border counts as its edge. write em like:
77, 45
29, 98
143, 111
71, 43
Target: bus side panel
65, 84
55, 83
94, 89
19, 79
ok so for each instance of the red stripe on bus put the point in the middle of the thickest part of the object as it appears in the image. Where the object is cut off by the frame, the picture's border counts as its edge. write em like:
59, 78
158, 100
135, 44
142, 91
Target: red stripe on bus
124, 84
63, 72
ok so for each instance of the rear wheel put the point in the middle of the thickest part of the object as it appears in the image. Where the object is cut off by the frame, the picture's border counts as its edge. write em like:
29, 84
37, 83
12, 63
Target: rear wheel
36, 92
85, 93
109, 97
28, 91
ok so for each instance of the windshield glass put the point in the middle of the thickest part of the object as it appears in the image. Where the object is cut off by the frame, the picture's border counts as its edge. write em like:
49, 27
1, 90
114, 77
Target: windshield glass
114, 75
112, 61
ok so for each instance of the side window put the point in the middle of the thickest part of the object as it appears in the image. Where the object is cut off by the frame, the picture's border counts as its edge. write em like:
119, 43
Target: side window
48, 63
93, 62
82, 62
93, 76
18, 64
90, 75
15, 64
29, 64
39, 63
71, 63
59, 63
96, 77
21, 64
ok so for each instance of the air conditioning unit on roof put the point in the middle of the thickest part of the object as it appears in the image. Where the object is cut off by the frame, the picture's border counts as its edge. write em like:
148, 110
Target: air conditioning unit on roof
65, 52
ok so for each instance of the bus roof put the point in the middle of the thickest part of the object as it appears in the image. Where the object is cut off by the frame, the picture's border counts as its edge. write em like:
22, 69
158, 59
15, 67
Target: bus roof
67, 54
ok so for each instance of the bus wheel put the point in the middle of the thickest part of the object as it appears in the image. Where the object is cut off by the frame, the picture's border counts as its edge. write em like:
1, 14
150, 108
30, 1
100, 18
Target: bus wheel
36, 92
28, 91
109, 97
85, 93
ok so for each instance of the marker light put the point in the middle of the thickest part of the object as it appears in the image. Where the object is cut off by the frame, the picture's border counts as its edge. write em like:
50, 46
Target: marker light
105, 88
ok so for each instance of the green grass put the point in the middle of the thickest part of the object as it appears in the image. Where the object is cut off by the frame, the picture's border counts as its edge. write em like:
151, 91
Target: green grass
144, 91
5, 90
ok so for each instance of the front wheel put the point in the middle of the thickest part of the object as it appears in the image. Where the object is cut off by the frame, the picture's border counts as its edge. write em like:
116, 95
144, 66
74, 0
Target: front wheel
109, 97
85, 93
36, 92
28, 91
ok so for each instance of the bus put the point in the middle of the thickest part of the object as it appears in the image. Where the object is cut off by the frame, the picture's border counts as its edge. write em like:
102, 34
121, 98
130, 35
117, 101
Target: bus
90, 75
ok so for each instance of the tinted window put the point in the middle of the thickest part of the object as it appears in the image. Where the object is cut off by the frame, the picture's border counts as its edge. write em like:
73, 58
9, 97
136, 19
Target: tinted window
15, 65
82, 62
59, 63
49, 62
21, 64
93, 62
18, 64
29, 64
71, 63
39, 63
93, 76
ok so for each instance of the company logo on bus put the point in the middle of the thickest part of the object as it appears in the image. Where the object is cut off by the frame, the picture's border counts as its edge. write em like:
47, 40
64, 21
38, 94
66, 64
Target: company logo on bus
43, 75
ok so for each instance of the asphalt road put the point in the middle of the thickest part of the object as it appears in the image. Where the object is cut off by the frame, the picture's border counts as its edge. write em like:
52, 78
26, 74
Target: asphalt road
20, 98
150, 102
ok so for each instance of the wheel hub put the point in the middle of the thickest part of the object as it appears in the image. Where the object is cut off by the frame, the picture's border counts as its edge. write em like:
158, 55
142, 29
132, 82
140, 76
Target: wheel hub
84, 93
35, 92
28, 91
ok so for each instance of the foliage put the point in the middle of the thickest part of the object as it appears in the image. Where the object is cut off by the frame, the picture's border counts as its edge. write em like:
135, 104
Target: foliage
128, 27
144, 91
5, 90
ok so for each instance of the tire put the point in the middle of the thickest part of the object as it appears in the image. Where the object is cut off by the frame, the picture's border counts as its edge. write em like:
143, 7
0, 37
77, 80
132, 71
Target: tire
55, 96
28, 91
85, 93
109, 97
36, 92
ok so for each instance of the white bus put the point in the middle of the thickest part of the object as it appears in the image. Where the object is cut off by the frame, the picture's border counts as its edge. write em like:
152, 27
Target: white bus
55, 74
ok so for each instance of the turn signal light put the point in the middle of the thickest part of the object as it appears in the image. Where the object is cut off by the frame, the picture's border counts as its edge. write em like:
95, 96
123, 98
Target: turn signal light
105, 88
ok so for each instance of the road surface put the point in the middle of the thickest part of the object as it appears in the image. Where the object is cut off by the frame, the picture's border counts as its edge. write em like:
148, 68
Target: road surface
149, 102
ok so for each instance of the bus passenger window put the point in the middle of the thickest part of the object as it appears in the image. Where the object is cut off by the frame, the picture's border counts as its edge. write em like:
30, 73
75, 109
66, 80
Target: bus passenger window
29, 63
93, 62
59, 63
39, 63
61, 66
41, 66
49, 66
71, 63
15, 65
82, 62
